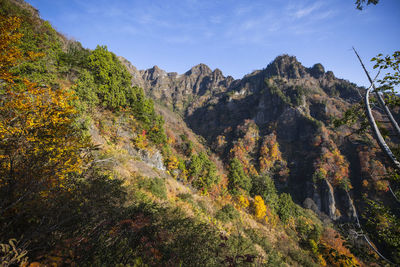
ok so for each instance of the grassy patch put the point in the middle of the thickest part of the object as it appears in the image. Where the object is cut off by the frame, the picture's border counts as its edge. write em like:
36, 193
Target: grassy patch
154, 185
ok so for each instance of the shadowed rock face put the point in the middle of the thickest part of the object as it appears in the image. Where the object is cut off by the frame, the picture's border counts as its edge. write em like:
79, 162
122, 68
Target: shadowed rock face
285, 98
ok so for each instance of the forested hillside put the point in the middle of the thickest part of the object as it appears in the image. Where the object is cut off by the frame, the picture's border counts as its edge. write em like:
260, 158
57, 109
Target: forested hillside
96, 171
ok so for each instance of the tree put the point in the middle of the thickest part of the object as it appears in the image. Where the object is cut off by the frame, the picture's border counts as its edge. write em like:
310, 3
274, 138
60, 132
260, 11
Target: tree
112, 79
386, 97
202, 171
286, 207
39, 147
362, 3
260, 210
264, 186
237, 178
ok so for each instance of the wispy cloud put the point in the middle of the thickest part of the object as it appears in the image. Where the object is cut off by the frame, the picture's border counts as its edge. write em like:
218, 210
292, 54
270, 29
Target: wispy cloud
307, 10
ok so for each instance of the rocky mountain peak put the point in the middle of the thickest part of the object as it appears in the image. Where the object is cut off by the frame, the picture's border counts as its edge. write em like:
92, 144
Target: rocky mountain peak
154, 73
199, 69
317, 71
217, 72
287, 67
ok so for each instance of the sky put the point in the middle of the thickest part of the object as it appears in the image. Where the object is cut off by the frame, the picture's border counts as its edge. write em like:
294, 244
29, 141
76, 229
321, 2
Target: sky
236, 36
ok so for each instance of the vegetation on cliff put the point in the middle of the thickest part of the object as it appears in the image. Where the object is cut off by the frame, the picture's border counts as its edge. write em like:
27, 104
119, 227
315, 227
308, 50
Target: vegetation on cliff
91, 175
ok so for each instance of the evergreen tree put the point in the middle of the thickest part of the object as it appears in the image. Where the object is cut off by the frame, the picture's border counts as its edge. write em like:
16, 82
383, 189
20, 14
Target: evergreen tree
237, 178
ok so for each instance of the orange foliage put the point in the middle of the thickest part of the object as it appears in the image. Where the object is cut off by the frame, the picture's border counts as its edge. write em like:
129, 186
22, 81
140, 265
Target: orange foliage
332, 165
10, 54
372, 169
334, 251
269, 153
170, 137
250, 133
246, 145
239, 151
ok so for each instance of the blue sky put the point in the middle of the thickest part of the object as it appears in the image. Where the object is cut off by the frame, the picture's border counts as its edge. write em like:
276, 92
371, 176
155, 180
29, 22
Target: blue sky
236, 36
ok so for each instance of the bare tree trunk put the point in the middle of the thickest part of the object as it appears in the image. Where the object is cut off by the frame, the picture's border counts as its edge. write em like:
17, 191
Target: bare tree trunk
378, 136
380, 98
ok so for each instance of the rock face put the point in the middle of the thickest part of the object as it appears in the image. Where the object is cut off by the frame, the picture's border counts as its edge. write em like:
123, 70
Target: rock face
326, 199
179, 91
154, 159
286, 98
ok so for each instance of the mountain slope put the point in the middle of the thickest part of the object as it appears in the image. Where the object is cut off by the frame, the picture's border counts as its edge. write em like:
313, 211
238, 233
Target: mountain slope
145, 189
293, 102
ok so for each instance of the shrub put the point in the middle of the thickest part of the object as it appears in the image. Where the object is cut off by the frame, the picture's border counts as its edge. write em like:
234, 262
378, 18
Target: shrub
286, 207
273, 257
227, 213
154, 185
308, 232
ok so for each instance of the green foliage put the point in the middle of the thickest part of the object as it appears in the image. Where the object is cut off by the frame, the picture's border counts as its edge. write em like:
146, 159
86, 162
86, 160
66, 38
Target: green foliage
391, 79
187, 146
385, 226
362, 3
308, 232
85, 89
273, 258
237, 178
319, 175
38, 37
286, 207
264, 186
112, 79
292, 95
278, 92
227, 213
239, 251
154, 185
73, 58
296, 95
202, 171
354, 117
103, 80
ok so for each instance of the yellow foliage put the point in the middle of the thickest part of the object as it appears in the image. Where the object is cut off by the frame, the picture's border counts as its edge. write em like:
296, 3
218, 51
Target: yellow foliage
382, 185
260, 209
39, 146
321, 260
172, 163
140, 141
243, 202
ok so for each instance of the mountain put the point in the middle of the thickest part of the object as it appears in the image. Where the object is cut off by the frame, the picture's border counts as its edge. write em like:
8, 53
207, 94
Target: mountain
286, 99
105, 164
